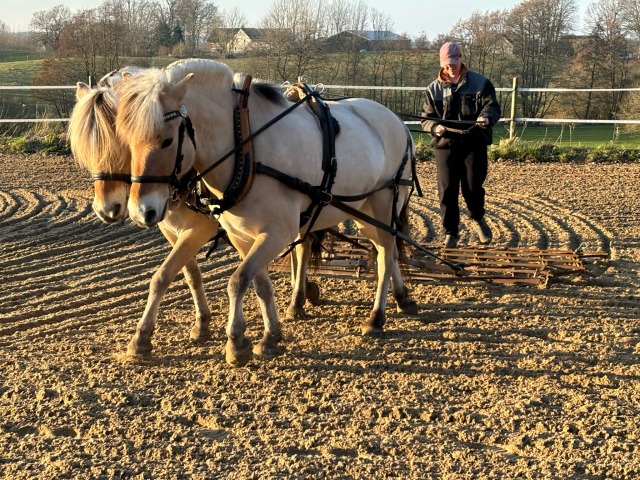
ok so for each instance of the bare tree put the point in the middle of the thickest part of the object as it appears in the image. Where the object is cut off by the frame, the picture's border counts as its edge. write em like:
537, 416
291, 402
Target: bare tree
611, 52
196, 17
47, 25
630, 11
536, 28
294, 26
485, 44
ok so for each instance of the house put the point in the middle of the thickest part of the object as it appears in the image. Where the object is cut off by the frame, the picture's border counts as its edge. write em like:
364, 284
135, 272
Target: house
368, 40
240, 41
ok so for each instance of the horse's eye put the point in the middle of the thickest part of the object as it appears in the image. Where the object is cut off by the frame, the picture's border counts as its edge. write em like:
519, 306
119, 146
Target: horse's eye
166, 142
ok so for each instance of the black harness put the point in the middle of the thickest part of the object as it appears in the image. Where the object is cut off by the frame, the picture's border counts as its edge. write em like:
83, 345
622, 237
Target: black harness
114, 177
245, 168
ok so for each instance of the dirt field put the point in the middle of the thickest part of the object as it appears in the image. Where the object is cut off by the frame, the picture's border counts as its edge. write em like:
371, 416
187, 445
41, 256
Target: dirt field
488, 382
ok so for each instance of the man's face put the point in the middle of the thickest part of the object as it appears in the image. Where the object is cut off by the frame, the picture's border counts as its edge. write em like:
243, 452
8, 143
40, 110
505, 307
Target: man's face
453, 70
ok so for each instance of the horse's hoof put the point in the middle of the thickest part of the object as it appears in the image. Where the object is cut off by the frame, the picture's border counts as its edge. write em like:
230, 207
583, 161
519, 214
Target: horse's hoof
140, 345
295, 313
408, 307
268, 347
200, 335
239, 353
369, 330
313, 293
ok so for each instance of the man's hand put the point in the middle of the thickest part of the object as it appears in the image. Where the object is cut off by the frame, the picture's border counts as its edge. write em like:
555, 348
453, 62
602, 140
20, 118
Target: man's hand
482, 122
439, 130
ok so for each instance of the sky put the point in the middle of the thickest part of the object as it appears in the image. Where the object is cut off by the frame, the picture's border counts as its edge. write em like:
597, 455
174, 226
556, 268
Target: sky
431, 17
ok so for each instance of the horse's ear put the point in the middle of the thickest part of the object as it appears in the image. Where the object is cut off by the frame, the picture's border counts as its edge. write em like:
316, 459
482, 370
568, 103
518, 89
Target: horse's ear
126, 76
104, 81
179, 90
81, 90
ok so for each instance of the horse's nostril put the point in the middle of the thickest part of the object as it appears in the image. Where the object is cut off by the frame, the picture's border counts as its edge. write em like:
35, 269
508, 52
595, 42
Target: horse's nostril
115, 211
149, 216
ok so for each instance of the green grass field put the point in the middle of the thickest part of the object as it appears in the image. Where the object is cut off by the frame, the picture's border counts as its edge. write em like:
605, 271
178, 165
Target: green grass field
577, 135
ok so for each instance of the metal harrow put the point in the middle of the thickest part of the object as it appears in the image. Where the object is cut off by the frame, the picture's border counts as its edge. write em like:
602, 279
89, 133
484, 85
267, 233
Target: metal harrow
352, 256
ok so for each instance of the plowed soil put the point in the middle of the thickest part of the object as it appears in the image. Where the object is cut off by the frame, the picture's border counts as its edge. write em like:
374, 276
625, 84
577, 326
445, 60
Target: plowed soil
487, 382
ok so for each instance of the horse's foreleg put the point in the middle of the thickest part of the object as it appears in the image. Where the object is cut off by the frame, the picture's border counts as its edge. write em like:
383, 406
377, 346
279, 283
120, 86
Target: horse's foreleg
272, 331
183, 252
302, 255
264, 249
201, 329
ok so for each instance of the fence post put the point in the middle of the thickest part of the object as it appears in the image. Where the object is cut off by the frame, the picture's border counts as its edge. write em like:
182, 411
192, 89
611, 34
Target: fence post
512, 116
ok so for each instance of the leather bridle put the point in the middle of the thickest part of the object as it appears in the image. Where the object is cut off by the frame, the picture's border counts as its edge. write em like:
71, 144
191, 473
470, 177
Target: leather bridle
185, 125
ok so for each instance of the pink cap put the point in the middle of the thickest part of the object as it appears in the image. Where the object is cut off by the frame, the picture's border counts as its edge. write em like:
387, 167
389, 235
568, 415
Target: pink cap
450, 54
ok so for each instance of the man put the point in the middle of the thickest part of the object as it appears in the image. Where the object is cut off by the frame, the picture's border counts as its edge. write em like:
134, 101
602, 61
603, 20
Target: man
468, 100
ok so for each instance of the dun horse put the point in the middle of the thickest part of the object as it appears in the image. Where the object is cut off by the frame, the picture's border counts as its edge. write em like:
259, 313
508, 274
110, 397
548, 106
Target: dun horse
374, 154
96, 147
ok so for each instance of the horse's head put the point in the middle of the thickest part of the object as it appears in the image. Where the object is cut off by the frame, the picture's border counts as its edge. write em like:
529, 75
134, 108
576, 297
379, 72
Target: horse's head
96, 148
153, 121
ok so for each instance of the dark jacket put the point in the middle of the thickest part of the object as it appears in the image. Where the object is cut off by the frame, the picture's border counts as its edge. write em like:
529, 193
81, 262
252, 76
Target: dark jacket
474, 96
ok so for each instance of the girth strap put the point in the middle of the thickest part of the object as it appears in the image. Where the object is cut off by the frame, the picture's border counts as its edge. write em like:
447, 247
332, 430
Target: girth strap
329, 128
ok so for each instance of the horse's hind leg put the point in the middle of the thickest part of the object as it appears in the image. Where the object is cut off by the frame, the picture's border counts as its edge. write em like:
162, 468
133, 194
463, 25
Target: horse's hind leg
404, 303
299, 263
377, 317
272, 331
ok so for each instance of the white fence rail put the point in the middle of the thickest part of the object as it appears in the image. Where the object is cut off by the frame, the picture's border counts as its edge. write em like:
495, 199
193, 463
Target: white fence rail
512, 119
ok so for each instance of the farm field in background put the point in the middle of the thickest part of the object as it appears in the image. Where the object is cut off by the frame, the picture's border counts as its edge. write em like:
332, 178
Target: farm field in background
20, 68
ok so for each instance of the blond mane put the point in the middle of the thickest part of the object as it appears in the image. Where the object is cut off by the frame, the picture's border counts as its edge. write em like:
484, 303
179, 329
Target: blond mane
139, 97
91, 132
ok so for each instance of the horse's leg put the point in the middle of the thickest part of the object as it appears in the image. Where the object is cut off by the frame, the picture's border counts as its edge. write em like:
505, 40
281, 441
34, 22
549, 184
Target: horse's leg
264, 249
377, 317
272, 331
185, 247
302, 253
404, 303
201, 329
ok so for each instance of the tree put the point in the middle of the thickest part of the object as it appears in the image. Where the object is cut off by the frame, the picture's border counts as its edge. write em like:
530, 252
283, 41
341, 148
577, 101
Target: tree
610, 51
195, 18
47, 25
536, 27
293, 37
483, 38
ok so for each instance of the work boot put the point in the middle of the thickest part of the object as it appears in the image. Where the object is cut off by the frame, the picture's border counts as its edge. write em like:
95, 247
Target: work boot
483, 230
450, 241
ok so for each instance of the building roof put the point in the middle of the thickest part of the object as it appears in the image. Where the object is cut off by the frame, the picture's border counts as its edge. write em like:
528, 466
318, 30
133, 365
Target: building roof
377, 35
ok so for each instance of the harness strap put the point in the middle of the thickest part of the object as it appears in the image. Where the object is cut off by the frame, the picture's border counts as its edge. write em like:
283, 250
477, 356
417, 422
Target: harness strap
243, 170
274, 120
115, 177
329, 162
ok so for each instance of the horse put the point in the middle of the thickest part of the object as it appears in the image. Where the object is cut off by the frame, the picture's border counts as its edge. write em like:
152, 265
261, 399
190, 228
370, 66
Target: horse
96, 148
374, 151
